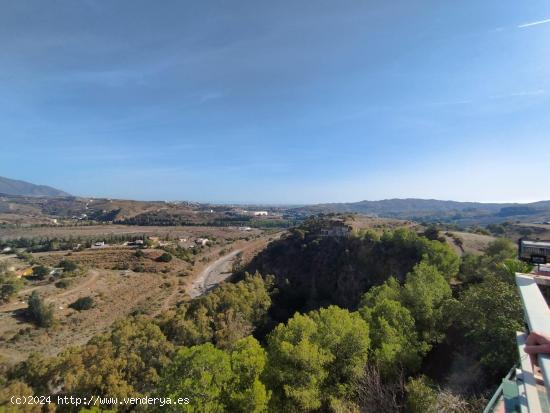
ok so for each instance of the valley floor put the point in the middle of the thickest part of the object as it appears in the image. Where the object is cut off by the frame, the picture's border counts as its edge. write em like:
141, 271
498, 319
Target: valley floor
116, 293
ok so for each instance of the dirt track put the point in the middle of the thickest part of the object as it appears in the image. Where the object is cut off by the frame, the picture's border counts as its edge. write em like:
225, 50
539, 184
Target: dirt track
77, 289
220, 270
213, 274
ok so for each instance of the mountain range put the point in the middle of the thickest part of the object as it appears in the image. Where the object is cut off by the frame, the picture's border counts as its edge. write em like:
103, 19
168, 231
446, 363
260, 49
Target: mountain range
437, 210
428, 210
15, 187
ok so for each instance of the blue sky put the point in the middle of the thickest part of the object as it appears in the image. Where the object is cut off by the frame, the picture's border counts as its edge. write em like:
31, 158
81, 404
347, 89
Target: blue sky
278, 102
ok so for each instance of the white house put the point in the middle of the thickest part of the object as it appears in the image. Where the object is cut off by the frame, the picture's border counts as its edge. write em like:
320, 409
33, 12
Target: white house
202, 241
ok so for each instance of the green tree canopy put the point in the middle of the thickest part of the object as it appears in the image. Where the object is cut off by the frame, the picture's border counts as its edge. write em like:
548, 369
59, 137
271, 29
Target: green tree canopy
124, 363
246, 393
425, 294
201, 373
390, 290
489, 314
394, 341
217, 380
225, 315
500, 249
442, 257
314, 358
17, 388
500, 259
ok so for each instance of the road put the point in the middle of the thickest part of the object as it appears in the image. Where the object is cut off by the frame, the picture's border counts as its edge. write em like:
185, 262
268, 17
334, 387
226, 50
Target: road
4, 257
213, 274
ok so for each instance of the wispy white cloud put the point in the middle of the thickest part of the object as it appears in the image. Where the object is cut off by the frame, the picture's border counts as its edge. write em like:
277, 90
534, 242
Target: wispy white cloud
205, 97
518, 94
522, 26
451, 102
525, 93
112, 78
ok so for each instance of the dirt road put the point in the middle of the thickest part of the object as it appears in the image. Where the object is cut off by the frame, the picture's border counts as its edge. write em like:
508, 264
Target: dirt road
220, 269
86, 284
213, 274
7, 257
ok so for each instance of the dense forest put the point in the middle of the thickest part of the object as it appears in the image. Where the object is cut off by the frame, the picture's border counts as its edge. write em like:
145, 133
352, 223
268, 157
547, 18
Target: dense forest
370, 322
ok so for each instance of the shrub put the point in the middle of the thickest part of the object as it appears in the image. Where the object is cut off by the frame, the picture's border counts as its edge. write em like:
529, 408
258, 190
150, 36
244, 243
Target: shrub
8, 289
165, 257
40, 312
68, 265
9, 283
64, 283
40, 272
432, 233
25, 256
83, 303
421, 397
122, 266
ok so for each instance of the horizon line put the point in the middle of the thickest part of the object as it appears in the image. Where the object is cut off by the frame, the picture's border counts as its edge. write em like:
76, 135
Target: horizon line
280, 204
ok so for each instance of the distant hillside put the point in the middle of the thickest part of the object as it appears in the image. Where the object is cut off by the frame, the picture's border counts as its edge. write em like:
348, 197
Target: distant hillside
35, 209
16, 187
436, 210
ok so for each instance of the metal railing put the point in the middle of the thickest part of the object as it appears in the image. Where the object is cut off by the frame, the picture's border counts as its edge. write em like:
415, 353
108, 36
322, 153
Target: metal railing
537, 317
499, 392
528, 395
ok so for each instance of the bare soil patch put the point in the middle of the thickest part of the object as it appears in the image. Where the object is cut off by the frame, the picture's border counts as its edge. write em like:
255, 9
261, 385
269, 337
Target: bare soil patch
115, 295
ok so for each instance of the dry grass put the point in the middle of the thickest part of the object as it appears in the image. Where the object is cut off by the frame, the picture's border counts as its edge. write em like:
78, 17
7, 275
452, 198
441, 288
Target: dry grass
471, 243
362, 222
115, 297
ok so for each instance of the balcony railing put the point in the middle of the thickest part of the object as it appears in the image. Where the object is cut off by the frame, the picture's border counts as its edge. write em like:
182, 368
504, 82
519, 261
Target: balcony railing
537, 316
521, 390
